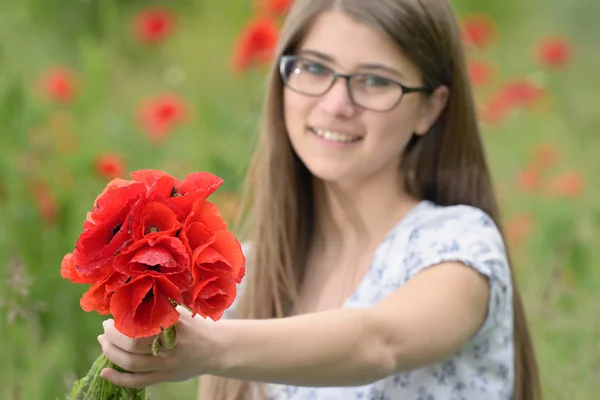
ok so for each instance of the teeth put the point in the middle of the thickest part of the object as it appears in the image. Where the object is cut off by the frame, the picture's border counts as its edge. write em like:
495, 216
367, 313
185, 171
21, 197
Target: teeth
335, 136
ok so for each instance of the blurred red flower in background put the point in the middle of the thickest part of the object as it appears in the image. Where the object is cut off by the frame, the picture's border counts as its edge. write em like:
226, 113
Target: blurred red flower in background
153, 25
277, 7
519, 228
530, 178
109, 166
480, 72
522, 92
45, 200
566, 184
545, 155
519, 93
158, 116
554, 51
478, 30
58, 84
256, 44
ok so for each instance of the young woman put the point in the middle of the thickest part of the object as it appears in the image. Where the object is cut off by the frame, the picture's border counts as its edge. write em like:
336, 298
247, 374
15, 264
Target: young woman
376, 266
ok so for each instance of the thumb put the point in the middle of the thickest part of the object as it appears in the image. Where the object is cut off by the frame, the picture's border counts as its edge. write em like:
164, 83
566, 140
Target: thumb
183, 312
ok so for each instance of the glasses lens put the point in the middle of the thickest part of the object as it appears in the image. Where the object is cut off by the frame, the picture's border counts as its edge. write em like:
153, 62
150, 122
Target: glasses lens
306, 76
374, 92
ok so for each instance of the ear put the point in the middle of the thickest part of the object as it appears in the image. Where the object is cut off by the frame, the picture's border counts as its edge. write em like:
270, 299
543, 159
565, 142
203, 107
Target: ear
431, 109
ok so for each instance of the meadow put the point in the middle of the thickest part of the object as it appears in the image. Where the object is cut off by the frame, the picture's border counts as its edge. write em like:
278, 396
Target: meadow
93, 89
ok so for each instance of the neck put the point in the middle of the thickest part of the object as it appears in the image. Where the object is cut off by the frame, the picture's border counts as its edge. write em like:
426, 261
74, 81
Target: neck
358, 212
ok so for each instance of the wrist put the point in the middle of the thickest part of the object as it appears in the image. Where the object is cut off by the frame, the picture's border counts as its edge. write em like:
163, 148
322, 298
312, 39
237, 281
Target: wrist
222, 343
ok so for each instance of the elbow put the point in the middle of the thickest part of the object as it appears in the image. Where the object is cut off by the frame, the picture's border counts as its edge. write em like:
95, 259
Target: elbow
377, 350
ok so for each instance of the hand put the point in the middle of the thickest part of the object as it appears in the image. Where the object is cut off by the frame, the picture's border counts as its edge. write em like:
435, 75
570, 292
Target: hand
195, 353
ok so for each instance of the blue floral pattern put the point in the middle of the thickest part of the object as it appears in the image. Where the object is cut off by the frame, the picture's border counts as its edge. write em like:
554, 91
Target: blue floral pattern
483, 367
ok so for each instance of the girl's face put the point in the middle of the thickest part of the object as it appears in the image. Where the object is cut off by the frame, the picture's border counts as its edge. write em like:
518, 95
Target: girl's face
336, 138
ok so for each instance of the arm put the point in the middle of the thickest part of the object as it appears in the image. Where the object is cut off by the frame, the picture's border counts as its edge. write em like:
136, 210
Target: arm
351, 347
442, 305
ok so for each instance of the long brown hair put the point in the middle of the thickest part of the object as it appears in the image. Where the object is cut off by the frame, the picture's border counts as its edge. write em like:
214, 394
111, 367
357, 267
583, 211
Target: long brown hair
447, 166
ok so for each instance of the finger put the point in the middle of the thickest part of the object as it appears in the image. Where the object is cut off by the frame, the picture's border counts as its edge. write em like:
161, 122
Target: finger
132, 362
137, 346
184, 313
138, 380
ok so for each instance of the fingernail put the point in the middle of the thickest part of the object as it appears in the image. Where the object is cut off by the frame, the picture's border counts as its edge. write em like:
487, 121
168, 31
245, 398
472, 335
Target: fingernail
100, 338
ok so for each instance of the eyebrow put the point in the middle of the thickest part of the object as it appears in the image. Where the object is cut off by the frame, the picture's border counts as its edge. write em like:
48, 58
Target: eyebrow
371, 66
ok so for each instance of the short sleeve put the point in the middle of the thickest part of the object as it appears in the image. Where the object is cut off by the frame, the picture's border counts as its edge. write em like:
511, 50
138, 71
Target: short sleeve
468, 235
230, 312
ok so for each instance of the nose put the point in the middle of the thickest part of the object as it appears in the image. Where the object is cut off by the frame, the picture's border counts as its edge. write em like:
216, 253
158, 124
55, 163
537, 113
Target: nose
337, 100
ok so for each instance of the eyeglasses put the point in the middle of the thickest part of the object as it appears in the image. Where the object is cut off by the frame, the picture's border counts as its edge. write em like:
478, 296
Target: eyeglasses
371, 92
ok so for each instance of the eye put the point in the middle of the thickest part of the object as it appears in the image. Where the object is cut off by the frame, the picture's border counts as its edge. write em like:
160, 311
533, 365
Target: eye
376, 81
314, 68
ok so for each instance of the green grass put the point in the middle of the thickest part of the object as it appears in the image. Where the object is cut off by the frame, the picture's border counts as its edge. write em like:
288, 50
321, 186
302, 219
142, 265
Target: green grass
49, 341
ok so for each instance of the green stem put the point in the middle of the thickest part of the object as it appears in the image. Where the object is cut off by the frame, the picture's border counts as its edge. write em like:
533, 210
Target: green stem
94, 387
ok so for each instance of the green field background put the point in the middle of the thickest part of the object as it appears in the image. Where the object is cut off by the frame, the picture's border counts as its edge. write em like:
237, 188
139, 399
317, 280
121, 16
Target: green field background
47, 340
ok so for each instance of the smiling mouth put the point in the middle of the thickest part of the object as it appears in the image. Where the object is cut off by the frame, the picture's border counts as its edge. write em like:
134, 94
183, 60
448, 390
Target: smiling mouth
333, 136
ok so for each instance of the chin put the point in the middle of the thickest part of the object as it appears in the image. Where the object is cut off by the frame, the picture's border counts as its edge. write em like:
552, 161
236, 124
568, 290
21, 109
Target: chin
332, 171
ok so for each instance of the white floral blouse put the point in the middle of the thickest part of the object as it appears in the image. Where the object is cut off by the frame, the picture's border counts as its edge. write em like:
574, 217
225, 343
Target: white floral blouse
483, 368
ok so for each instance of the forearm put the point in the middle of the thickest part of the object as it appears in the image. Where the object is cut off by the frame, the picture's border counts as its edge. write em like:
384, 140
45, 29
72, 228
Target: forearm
332, 348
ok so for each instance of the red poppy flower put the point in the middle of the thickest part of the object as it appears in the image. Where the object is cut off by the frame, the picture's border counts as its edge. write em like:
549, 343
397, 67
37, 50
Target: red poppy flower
153, 219
554, 52
161, 256
218, 262
59, 84
195, 187
257, 43
109, 166
180, 196
201, 226
99, 295
211, 295
223, 256
143, 305
112, 185
150, 176
158, 116
153, 25
151, 242
478, 30
106, 229
69, 271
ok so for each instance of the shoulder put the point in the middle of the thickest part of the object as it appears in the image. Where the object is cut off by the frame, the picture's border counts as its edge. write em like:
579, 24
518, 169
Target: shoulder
436, 217
464, 234
462, 227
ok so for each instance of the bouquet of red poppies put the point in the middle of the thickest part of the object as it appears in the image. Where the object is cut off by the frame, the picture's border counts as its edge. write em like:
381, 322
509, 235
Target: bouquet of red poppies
148, 245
